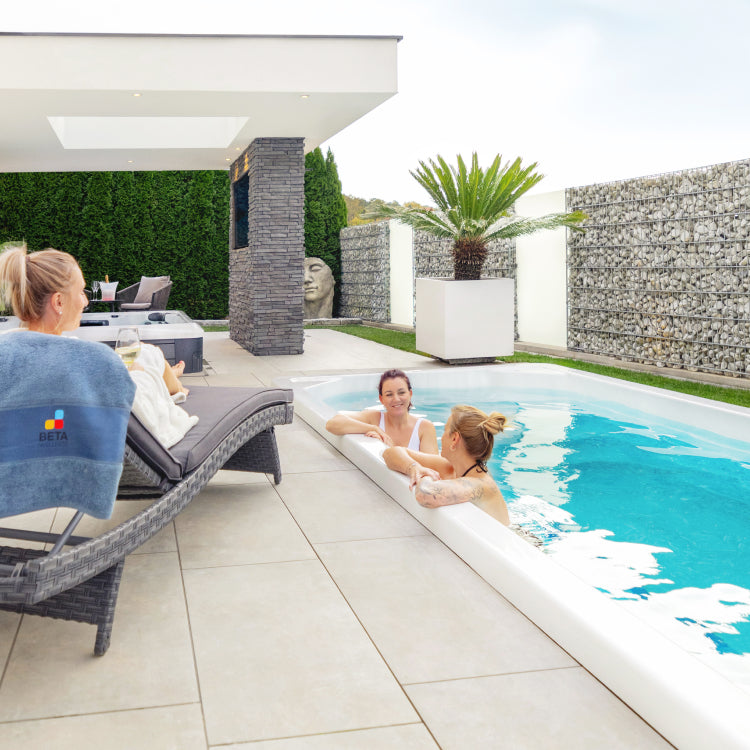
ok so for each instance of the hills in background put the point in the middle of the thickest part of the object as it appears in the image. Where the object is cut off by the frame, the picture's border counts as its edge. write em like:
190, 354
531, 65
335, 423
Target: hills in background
355, 207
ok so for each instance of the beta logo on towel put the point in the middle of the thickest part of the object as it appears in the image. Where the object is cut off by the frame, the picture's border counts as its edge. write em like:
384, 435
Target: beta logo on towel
54, 427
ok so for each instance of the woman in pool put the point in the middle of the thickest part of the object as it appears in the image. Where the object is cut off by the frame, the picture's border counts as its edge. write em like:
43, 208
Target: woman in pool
394, 426
45, 290
459, 474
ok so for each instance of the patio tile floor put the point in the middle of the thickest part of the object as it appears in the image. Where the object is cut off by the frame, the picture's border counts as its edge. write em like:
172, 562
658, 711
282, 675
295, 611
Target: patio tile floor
312, 615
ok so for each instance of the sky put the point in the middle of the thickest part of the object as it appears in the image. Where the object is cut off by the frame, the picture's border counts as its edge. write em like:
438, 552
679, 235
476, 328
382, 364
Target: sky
591, 90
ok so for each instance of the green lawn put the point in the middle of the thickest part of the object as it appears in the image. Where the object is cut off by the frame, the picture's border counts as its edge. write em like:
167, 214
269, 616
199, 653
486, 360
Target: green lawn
406, 342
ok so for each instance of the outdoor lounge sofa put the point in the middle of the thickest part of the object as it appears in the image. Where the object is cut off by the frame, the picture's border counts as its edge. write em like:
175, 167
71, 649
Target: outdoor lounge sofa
79, 578
150, 293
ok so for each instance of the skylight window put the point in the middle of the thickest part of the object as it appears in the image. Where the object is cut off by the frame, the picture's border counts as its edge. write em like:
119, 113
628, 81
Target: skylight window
146, 132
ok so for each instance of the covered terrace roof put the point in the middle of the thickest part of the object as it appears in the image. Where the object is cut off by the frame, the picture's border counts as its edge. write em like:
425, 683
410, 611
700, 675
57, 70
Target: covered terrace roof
91, 102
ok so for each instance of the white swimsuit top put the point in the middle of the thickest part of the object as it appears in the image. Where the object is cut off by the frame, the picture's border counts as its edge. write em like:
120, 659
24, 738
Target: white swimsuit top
413, 440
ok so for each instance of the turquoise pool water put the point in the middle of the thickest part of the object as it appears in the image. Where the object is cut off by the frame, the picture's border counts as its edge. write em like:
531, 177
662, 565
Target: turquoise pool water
654, 513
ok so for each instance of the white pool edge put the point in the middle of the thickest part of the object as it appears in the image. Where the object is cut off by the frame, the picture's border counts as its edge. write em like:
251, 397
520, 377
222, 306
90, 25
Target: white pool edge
686, 701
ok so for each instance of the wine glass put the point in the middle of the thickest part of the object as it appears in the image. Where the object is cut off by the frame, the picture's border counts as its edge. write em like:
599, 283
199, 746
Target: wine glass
94, 290
128, 345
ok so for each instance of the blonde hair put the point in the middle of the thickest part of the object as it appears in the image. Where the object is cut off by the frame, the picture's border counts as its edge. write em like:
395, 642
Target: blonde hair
27, 280
477, 429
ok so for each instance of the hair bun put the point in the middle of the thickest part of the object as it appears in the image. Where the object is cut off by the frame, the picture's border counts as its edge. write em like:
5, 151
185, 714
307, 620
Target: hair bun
494, 423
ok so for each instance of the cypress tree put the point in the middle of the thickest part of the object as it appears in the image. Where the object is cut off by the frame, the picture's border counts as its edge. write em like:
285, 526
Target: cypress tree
220, 257
97, 257
197, 267
315, 224
127, 253
10, 230
325, 213
66, 206
143, 230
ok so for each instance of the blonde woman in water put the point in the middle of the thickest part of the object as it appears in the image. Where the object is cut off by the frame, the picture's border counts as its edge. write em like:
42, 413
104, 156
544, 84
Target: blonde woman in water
459, 474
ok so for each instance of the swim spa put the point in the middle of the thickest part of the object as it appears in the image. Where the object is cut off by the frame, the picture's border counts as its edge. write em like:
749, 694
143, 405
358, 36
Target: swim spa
682, 697
171, 330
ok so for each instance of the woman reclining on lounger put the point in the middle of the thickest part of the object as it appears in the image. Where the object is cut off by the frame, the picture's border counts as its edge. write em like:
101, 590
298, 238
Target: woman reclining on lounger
459, 474
46, 291
394, 426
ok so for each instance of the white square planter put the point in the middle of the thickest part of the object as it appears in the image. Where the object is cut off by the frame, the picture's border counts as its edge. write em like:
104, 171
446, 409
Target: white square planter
465, 319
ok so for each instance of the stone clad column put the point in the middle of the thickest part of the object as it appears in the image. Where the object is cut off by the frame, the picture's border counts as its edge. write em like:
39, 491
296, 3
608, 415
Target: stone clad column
266, 261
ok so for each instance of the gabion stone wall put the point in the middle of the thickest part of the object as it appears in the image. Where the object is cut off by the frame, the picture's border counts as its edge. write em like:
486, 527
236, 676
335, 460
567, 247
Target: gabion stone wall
433, 258
365, 272
365, 267
661, 275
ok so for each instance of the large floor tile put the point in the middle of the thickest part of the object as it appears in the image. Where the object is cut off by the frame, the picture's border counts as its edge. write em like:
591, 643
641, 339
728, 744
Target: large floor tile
344, 505
302, 450
242, 379
38, 520
406, 737
565, 709
8, 628
431, 616
237, 525
240, 477
168, 728
52, 671
280, 654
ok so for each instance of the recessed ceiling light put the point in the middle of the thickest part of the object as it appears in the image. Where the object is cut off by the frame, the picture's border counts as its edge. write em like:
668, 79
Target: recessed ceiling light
130, 161
305, 96
237, 148
227, 159
136, 94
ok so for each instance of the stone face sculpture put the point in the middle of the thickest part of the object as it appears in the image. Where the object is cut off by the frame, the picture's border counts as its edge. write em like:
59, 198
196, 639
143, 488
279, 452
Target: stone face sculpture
318, 287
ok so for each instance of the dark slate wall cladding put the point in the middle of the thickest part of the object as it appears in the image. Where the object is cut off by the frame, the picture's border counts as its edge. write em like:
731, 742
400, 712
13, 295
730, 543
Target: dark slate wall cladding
366, 272
265, 278
661, 275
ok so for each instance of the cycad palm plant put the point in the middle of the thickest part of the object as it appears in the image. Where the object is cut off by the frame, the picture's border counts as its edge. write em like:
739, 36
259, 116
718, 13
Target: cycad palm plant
474, 207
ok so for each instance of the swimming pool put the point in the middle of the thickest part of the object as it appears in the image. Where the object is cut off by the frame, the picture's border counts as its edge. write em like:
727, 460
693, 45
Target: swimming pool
543, 465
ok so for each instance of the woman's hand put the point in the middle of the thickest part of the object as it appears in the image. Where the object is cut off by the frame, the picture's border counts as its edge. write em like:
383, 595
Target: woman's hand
376, 432
416, 472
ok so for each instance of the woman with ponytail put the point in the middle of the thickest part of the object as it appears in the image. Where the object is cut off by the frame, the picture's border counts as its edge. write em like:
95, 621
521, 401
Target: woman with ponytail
459, 474
45, 289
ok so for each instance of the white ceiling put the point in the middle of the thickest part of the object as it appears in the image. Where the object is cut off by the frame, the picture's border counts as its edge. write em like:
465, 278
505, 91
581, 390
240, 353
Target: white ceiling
151, 102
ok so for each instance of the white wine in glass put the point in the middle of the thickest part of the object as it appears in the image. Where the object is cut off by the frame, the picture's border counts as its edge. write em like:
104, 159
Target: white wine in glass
128, 345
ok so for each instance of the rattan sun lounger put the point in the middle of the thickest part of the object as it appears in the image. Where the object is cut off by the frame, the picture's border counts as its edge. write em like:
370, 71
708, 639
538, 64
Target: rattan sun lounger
79, 579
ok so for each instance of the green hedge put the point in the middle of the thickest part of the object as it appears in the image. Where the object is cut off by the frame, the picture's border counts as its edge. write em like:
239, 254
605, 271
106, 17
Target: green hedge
128, 225
325, 214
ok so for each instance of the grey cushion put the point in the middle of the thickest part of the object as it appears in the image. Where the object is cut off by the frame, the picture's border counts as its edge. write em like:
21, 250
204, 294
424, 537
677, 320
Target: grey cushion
220, 410
148, 285
135, 306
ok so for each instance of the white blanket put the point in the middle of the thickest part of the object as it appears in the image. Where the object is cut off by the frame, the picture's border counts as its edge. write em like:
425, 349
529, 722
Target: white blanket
153, 405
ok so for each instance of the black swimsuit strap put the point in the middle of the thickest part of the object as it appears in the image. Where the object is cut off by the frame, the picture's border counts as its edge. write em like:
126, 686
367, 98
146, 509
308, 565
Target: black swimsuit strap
478, 465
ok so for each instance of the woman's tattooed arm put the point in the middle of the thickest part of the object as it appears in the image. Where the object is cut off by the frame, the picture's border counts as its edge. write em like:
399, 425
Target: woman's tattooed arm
433, 494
